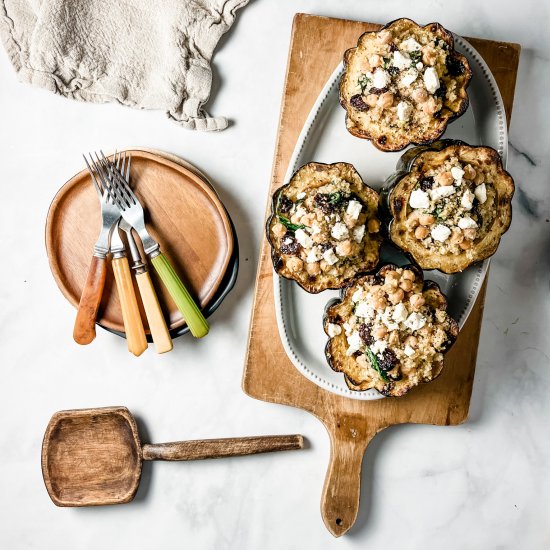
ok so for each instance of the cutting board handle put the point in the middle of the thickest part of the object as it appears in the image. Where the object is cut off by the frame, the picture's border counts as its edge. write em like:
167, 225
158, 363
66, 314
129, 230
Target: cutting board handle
219, 448
342, 489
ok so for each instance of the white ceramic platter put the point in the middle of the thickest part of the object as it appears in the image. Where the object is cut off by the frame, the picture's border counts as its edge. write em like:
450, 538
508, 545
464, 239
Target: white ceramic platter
324, 138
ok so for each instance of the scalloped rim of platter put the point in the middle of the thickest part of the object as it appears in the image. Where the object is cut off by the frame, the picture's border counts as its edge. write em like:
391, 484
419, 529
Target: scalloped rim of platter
490, 101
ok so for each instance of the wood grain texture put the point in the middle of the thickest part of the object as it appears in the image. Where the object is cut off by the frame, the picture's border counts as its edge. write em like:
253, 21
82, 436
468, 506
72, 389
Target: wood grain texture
92, 457
183, 213
90, 299
220, 448
317, 46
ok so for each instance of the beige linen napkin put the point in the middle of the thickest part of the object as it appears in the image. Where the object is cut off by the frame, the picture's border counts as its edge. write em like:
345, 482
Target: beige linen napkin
149, 54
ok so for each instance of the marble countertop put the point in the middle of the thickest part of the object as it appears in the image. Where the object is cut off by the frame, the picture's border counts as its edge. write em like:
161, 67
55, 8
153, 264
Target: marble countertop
483, 484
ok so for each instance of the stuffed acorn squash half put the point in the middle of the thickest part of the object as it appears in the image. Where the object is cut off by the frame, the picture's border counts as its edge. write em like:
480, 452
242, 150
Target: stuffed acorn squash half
449, 204
324, 227
389, 331
403, 84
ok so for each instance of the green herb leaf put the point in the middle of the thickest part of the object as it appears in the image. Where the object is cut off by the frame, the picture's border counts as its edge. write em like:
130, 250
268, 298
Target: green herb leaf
363, 81
386, 62
289, 225
415, 56
374, 363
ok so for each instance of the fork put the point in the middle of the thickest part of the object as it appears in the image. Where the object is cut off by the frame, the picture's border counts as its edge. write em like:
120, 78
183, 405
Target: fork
133, 325
132, 211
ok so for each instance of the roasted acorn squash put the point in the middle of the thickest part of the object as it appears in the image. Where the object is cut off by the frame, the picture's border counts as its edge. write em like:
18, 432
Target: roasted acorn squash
403, 84
448, 204
389, 331
324, 227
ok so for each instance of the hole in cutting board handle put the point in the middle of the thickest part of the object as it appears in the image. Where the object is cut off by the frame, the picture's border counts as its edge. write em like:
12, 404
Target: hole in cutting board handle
338, 521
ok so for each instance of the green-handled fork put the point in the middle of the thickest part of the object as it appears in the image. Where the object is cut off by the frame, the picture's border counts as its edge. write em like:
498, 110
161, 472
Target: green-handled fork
132, 211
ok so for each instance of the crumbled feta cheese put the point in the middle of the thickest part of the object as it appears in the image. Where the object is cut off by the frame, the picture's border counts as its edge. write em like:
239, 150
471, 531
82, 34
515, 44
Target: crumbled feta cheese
419, 66
440, 233
315, 229
400, 312
415, 321
467, 200
301, 195
354, 209
354, 343
409, 77
431, 80
330, 257
404, 111
334, 330
357, 295
409, 352
339, 231
303, 238
347, 328
364, 309
401, 60
467, 223
358, 233
378, 347
300, 211
419, 199
410, 45
380, 78
314, 255
481, 193
457, 173
443, 191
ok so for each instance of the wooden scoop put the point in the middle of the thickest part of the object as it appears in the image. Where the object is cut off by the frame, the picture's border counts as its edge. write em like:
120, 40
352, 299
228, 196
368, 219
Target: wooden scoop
92, 457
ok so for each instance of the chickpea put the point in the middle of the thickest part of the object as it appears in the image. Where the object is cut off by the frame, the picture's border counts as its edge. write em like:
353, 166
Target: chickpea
380, 303
412, 220
445, 179
294, 264
313, 268
466, 244
426, 219
421, 232
412, 341
470, 233
406, 285
384, 37
456, 236
344, 248
469, 172
408, 275
324, 266
394, 338
375, 60
380, 332
429, 55
308, 219
397, 296
373, 225
420, 95
385, 100
371, 100
319, 237
416, 301
279, 230
430, 106
366, 66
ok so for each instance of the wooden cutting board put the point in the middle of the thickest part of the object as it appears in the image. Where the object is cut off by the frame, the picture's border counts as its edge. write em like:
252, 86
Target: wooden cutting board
317, 46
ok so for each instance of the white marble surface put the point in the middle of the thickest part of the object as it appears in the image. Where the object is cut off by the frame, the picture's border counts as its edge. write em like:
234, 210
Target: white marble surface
484, 484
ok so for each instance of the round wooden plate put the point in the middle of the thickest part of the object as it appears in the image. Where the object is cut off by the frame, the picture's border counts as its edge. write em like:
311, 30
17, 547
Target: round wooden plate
182, 212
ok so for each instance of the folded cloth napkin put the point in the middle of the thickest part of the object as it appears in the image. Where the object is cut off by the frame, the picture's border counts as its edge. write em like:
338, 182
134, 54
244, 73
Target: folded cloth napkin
143, 53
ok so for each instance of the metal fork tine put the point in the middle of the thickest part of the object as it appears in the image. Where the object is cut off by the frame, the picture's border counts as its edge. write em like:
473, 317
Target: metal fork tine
128, 169
104, 168
122, 185
94, 180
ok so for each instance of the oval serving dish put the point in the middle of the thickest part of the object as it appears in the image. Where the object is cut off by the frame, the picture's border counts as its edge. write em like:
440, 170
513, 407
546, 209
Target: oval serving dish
178, 201
325, 139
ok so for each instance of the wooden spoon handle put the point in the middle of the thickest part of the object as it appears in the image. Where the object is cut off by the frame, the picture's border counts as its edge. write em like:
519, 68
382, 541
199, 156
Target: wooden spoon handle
84, 326
341, 492
133, 325
219, 448
155, 318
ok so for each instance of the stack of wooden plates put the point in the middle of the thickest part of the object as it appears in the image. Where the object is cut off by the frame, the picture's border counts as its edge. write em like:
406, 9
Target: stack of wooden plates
183, 213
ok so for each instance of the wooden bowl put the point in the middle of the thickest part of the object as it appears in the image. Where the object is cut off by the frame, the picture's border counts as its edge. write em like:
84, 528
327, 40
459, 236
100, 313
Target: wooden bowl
182, 212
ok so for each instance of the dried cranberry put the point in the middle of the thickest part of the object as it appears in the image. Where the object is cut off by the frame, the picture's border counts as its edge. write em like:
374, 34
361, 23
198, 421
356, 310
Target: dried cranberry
378, 91
426, 183
437, 114
441, 91
454, 66
393, 70
387, 360
323, 202
285, 204
398, 205
382, 140
324, 246
357, 102
366, 334
289, 244
393, 47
